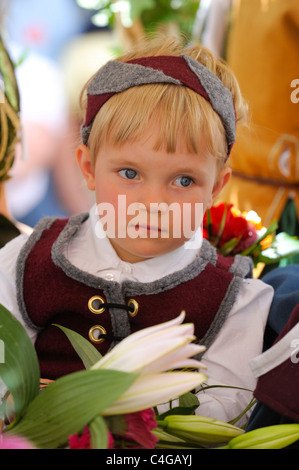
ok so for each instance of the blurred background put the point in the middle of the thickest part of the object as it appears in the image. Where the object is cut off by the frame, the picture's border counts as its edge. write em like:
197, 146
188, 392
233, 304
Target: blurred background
56, 46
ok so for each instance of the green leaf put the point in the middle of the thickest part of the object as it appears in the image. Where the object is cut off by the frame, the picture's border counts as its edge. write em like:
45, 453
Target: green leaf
209, 224
99, 433
19, 369
178, 410
253, 247
85, 350
222, 225
188, 400
229, 246
138, 6
70, 403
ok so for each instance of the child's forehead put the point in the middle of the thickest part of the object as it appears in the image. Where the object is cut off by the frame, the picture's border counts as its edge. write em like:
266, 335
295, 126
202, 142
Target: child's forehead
151, 138
187, 134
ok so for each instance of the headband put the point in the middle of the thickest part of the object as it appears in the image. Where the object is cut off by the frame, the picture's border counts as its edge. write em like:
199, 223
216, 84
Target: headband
115, 77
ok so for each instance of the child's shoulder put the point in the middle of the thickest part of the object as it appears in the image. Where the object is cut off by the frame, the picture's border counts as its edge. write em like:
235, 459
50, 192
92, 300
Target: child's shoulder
9, 254
13, 246
241, 266
53, 226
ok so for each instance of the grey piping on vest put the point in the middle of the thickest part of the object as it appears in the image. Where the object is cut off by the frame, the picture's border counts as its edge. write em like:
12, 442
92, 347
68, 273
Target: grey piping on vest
242, 266
20, 267
116, 76
73, 225
221, 315
119, 318
115, 292
208, 254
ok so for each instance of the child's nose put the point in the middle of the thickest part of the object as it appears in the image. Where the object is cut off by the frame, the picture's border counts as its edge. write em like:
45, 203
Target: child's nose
155, 195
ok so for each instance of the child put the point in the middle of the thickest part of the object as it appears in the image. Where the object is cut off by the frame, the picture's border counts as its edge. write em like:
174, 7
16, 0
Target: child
158, 128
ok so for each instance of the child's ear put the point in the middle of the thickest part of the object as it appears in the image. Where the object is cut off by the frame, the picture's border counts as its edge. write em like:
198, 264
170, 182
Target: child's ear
222, 179
86, 166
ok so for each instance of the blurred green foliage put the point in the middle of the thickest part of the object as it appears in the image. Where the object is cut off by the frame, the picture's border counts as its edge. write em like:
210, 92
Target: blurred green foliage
151, 13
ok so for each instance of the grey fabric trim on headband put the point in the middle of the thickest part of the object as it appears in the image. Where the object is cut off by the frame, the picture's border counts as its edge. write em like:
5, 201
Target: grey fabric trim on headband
215, 89
116, 76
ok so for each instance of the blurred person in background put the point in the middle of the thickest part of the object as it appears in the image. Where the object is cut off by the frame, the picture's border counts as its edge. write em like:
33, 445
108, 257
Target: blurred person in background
36, 31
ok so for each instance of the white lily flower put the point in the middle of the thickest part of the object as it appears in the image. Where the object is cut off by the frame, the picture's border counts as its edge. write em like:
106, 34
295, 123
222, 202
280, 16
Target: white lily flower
150, 390
152, 353
155, 349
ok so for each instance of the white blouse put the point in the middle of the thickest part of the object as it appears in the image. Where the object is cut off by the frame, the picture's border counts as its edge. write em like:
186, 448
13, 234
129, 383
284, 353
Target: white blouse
227, 359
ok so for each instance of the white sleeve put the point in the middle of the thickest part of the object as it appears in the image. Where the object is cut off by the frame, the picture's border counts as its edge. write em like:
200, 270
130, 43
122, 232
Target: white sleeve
227, 359
8, 298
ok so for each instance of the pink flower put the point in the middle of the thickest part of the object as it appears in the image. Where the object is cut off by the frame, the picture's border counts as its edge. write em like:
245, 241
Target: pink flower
14, 442
83, 441
139, 426
110, 444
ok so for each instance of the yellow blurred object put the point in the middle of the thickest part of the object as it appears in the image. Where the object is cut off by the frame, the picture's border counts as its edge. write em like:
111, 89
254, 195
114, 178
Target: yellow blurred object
263, 52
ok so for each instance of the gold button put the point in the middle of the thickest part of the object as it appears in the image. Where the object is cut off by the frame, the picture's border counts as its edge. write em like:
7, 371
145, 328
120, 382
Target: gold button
134, 306
94, 333
94, 304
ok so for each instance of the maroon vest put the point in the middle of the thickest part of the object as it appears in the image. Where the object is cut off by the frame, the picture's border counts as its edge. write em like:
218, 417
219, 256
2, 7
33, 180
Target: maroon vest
52, 291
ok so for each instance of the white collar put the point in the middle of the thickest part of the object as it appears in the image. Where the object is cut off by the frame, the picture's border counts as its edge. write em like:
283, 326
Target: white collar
98, 256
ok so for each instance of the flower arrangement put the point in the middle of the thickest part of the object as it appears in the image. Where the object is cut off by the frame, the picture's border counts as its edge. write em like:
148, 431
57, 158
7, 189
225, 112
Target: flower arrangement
234, 232
112, 404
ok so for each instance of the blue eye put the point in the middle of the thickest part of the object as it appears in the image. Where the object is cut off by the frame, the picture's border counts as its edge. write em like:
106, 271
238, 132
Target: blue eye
128, 173
184, 181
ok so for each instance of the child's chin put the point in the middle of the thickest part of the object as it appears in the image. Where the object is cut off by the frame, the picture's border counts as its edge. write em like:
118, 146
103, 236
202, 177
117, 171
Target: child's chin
133, 250
144, 249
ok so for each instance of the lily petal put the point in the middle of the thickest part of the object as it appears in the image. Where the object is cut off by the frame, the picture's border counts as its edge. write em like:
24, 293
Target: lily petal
176, 359
136, 353
136, 338
153, 389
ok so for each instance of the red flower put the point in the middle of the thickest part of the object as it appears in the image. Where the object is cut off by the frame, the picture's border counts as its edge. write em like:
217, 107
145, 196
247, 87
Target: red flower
222, 224
139, 426
136, 429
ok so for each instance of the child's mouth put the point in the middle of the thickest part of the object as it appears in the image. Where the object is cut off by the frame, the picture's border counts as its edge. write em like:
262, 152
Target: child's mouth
149, 229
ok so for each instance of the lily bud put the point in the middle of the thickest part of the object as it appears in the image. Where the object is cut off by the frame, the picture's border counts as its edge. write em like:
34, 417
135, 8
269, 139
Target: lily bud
200, 430
269, 437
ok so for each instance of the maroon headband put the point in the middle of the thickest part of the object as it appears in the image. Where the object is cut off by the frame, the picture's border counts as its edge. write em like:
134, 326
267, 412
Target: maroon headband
115, 77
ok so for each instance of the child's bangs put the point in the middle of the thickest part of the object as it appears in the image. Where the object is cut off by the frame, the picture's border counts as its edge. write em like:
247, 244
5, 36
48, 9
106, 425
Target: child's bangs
179, 111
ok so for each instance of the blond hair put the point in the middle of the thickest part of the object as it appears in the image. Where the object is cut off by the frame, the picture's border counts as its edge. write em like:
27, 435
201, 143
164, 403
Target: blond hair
180, 111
